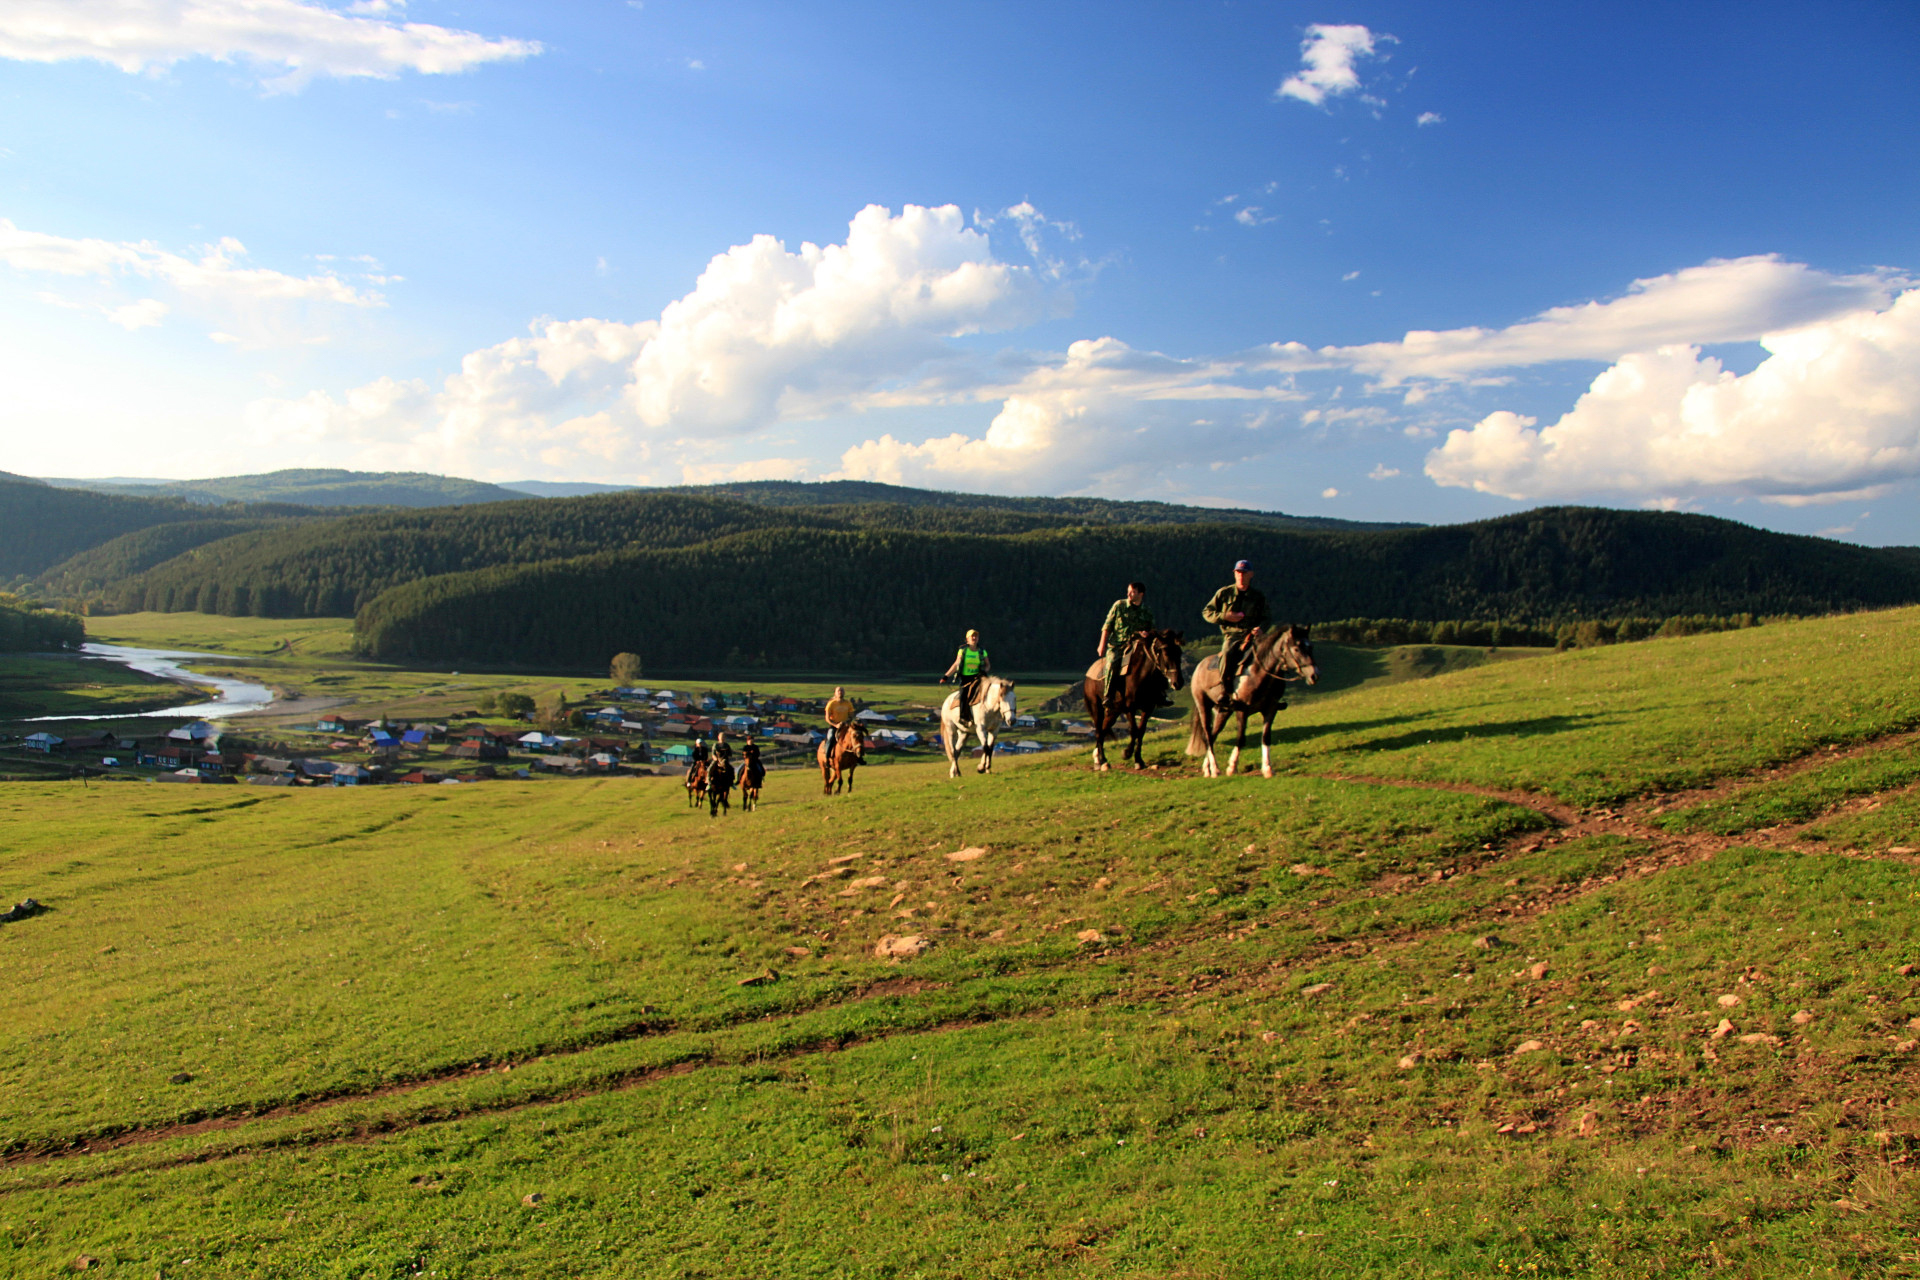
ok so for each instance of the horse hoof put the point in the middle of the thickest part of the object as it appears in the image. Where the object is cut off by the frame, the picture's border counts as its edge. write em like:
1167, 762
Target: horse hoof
1266, 773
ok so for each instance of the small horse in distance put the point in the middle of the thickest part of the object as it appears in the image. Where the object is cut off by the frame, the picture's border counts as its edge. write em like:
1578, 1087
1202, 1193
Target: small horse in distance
1152, 663
718, 783
839, 756
994, 711
752, 773
1261, 687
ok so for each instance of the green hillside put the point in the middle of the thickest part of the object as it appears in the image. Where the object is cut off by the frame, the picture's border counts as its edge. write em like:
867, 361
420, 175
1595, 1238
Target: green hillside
1594, 964
97, 569
40, 525
898, 599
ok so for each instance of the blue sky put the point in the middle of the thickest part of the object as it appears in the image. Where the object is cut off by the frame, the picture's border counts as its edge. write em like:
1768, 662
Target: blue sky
1182, 251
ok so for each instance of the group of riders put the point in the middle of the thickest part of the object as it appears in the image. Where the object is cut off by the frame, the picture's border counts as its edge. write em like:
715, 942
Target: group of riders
1239, 610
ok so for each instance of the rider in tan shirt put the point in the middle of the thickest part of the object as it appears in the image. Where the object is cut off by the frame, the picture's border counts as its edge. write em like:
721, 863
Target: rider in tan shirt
839, 713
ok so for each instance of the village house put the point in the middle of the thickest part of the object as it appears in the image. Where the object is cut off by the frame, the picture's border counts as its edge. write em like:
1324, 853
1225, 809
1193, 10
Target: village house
45, 743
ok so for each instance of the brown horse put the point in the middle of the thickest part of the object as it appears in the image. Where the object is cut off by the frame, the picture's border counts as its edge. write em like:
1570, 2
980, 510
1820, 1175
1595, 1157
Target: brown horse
752, 774
718, 785
1152, 662
1261, 687
696, 783
839, 756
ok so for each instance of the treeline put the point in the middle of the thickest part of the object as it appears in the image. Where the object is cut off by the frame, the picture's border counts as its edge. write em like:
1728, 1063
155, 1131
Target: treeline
825, 598
1506, 633
333, 568
27, 626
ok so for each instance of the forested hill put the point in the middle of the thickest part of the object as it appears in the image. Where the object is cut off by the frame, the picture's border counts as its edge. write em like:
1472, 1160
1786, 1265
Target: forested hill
900, 598
845, 493
41, 525
334, 567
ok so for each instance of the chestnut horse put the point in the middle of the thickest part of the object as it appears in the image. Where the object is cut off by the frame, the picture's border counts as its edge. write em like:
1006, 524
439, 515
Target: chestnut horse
839, 756
1261, 687
752, 774
1152, 661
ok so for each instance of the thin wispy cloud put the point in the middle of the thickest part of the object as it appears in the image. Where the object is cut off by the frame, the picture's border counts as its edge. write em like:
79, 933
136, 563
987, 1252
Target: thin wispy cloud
300, 40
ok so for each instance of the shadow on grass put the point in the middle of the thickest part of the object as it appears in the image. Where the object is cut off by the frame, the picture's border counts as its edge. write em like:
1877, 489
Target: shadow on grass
1533, 728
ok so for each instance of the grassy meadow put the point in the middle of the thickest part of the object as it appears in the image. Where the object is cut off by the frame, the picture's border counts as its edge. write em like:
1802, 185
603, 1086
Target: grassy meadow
1582, 965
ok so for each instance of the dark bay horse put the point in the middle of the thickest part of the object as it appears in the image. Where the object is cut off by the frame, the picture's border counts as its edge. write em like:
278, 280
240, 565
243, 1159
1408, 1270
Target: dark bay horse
1152, 670
1261, 688
696, 783
839, 756
718, 784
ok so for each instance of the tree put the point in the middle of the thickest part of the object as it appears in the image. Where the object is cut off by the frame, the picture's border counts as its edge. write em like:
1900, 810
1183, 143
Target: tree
626, 668
514, 704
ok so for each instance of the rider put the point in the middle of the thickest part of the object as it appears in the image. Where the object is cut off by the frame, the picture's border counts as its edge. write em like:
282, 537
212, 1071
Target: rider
722, 752
1240, 612
700, 751
750, 766
839, 712
970, 663
1127, 618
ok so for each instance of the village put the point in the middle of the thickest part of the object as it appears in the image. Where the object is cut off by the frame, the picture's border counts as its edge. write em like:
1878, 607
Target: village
630, 730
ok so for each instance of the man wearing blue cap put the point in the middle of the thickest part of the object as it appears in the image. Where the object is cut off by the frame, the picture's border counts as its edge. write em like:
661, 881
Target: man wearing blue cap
1239, 611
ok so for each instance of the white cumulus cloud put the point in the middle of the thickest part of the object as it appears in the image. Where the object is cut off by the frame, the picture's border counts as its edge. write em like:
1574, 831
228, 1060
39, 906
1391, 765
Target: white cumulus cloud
1327, 58
769, 333
305, 39
1832, 413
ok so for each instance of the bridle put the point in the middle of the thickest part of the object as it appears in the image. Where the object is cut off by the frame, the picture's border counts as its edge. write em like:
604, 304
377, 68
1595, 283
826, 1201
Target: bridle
1155, 647
1276, 643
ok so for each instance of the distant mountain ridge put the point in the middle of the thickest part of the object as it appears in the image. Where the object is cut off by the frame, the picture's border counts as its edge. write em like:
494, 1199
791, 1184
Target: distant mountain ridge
312, 487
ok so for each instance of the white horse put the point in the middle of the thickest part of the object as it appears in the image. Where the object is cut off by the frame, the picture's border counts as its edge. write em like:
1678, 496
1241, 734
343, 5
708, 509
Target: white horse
984, 719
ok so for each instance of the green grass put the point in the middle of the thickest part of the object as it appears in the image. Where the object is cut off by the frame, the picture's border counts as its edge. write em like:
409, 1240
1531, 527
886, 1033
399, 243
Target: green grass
1801, 797
1291, 1041
45, 685
211, 633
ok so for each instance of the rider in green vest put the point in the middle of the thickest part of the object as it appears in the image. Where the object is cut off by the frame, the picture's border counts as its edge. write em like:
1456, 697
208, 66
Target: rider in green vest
1127, 618
969, 664
1239, 611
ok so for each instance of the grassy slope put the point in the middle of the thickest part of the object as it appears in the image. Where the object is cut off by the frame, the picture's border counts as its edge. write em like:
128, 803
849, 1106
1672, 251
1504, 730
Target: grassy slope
1169, 1100
45, 685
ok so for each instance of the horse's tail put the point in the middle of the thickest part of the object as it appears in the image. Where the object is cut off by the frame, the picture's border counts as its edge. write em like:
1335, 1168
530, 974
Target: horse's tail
1197, 733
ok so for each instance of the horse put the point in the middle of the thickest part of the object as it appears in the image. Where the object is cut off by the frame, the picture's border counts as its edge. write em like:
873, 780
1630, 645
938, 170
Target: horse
839, 756
696, 783
984, 719
752, 774
1152, 670
1259, 688
717, 785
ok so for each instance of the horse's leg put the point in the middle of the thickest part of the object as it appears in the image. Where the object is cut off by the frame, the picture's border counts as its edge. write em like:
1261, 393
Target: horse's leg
1239, 741
1136, 734
1266, 749
1210, 766
987, 739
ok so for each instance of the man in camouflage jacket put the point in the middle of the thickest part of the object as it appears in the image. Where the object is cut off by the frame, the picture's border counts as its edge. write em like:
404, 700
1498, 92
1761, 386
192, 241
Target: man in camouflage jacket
1240, 612
1127, 618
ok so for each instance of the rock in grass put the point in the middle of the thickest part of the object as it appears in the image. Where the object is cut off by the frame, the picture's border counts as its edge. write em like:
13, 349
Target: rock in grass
1802, 1018
85, 1262
1539, 971
1759, 1037
799, 953
1409, 1061
533, 1198
1486, 942
758, 979
904, 947
1090, 936
1728, 1002
1317, 989
1907, 970
180, 1077
1723, 1030
1589, 1124
972, 853
1528, 1046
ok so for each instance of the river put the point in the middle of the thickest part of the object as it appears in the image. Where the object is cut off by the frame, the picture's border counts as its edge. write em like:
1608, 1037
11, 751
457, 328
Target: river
231, 698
